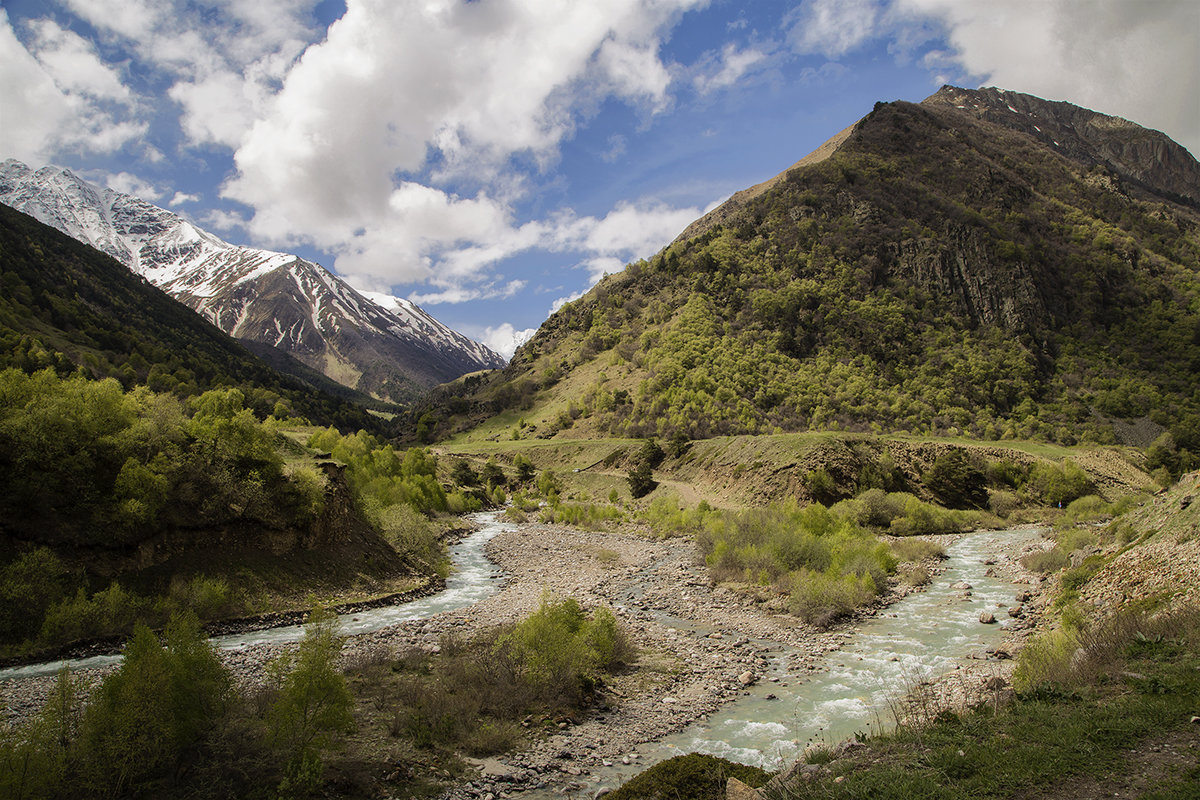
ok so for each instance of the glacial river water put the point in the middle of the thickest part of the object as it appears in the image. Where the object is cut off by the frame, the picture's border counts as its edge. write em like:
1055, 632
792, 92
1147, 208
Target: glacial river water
473, 578
926, 634
922, 636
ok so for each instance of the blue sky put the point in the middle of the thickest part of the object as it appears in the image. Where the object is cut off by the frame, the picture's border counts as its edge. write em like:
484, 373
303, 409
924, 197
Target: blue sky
491, 159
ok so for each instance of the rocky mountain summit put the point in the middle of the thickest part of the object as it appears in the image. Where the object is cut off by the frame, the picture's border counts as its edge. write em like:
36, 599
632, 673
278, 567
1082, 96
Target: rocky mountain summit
982, 261
1146, 158
261, 296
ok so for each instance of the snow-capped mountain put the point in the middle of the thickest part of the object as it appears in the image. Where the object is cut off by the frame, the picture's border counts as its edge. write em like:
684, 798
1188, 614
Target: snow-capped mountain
381, 345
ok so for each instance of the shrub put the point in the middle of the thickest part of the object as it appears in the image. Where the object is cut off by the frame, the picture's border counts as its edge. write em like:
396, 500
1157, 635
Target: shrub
413, 536
1003, 503
925, 518
1059, 484
154, 711
583, 515
917, 549
313, 704
821, 599
695, 776
1046, 561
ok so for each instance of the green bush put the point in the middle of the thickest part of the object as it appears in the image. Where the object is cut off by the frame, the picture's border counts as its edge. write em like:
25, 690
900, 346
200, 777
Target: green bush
821, 598
695, 776
561, 652
1059, 484
1046, 561
584, 515
154, 712
313, 705
475, 692
917, 549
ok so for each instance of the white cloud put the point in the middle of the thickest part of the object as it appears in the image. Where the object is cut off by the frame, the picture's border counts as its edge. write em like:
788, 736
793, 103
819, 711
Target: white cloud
183, 197
1137, 59
27, 93
471, 84
505, 339
562, 301
833, 27
632, 230
461, 294
226, 65
600, 266
75, 66
729, 69
130, 184
58, 96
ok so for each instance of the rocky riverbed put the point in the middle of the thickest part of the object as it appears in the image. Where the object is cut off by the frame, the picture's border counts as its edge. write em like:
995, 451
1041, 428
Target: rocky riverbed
700, 646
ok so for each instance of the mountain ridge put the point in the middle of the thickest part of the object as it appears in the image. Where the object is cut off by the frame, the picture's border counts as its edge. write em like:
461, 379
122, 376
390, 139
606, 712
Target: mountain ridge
261, 295
933, 272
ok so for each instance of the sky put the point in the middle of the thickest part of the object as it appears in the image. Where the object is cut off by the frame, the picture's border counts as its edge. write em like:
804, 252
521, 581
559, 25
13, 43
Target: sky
492, 159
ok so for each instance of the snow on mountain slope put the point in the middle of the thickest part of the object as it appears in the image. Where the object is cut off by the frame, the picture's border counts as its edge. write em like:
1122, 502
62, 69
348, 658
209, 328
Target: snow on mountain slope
378, 344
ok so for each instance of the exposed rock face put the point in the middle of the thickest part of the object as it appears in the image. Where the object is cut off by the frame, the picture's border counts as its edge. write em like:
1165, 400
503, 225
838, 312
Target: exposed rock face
1141, 155
959, 266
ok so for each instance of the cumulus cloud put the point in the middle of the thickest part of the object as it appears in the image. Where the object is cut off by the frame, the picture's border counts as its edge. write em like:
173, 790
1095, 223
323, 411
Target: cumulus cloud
225, 66
127, 183
396, 86
505, 339
179, 198
1139, 60
62, 94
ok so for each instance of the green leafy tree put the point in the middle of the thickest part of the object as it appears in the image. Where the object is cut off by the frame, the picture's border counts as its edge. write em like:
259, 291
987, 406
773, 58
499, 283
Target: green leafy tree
525, 469
155, 712
956, 482
641, 480
492, 475
463, 475
313, 705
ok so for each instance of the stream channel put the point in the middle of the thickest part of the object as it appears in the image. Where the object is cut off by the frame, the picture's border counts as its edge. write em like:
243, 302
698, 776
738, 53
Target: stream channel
920, 637
473, 578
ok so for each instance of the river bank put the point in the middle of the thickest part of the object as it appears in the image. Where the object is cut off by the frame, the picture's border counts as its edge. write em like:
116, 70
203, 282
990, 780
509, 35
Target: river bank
701, 646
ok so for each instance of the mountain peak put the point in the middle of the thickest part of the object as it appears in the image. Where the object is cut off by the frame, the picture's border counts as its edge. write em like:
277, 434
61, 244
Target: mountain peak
279, 299
1145, 157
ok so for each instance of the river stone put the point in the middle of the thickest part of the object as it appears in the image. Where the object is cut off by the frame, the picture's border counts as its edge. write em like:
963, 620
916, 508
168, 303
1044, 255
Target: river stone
747, 678
987, 617
736, 790
1016, 611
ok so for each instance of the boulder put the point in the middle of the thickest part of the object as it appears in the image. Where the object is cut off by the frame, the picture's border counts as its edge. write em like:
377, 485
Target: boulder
736, 790
987, 617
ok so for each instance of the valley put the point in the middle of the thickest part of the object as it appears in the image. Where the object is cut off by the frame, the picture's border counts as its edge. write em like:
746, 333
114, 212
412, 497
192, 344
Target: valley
935, 384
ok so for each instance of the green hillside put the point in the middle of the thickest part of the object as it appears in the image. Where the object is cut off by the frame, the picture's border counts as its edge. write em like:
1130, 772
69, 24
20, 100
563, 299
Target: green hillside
68, 306
152, 464
938, 274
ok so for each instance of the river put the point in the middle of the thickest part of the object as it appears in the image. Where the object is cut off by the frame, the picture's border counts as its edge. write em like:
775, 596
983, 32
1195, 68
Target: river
473, 577
922, 636
926, 634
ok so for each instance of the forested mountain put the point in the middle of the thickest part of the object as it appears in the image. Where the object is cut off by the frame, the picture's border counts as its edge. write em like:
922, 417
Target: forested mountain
982, 263
391, 349
66, 305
